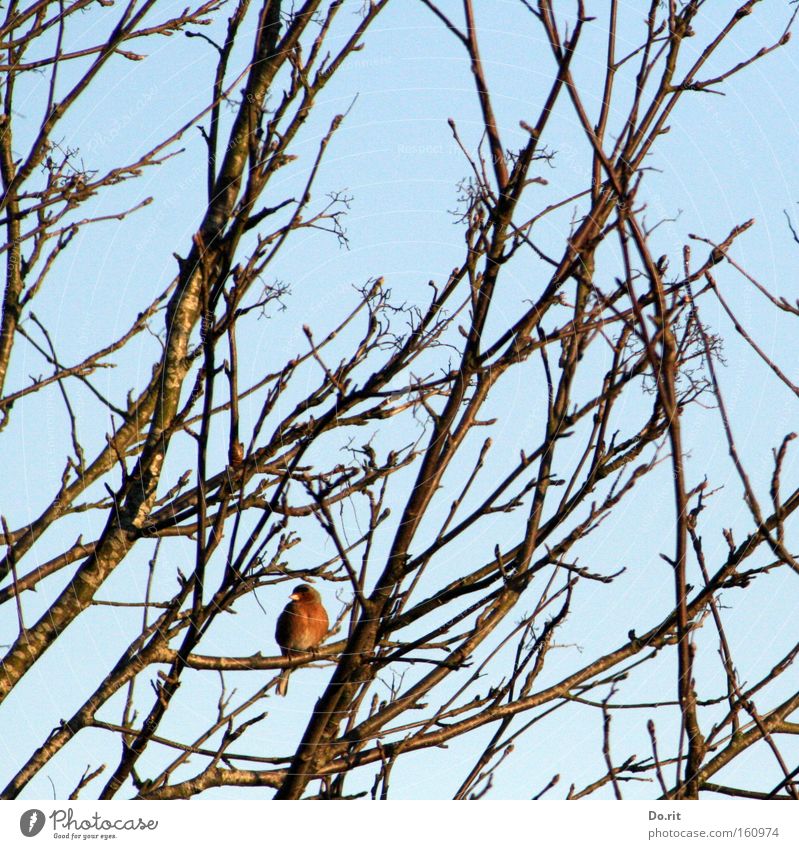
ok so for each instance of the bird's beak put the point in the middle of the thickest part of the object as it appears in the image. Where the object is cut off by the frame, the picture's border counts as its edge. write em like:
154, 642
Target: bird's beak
295, 596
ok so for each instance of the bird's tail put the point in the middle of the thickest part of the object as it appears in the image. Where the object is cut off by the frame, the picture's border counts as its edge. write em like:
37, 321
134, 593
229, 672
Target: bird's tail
283, 682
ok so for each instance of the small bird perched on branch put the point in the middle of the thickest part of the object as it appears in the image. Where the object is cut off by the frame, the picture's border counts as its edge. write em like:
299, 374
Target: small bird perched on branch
300, 627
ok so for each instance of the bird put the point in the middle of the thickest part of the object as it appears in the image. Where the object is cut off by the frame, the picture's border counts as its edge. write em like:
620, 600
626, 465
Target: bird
300, 627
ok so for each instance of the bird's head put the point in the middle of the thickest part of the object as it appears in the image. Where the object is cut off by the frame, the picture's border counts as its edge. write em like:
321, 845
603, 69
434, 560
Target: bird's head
304, 592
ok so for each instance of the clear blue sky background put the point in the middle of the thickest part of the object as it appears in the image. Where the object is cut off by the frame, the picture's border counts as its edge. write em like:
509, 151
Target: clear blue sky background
725, 160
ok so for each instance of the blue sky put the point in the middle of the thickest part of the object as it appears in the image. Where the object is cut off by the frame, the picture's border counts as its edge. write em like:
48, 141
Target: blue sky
726, 159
